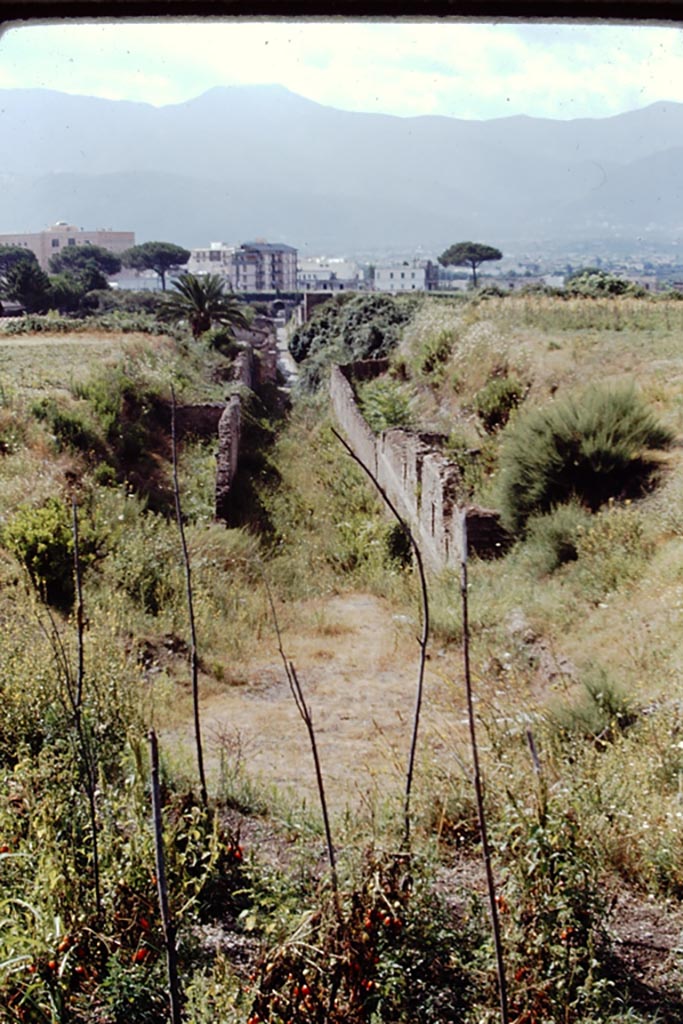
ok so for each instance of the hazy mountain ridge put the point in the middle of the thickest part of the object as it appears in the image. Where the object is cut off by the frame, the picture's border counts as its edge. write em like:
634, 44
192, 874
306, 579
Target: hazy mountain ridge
238, 162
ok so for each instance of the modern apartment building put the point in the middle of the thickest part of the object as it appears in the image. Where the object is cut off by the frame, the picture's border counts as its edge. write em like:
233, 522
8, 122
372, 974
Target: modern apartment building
415, 276
333, 275
61, 235
250, 267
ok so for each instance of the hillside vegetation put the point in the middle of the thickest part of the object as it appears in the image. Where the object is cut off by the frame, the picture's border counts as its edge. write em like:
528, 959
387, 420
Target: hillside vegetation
575, 652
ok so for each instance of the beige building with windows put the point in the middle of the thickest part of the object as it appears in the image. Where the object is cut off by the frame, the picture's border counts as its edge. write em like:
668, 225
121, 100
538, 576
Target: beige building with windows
250, 267
45, 244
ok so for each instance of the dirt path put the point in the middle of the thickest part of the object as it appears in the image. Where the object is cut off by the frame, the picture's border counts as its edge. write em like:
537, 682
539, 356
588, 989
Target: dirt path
357, 663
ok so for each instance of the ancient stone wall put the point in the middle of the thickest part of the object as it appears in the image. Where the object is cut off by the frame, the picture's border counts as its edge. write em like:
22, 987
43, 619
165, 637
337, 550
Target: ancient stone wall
423, 485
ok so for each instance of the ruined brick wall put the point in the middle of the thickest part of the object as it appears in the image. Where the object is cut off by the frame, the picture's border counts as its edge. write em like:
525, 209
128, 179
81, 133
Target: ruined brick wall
229, 432
197, 420
423, 485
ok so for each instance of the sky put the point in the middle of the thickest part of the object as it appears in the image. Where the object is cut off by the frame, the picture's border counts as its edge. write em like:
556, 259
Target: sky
401, 67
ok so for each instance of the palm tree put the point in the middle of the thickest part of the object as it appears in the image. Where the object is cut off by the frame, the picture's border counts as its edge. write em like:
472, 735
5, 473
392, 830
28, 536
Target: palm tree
204, 301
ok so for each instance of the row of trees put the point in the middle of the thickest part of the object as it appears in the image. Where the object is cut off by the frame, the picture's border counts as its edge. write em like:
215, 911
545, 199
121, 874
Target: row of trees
76, 271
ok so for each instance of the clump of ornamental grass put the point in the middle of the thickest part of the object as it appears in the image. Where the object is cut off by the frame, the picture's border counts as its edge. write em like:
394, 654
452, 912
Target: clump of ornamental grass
599, 446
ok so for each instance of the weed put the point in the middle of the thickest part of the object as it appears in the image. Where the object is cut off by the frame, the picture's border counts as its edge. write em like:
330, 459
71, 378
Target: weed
495, 401
553, 539
384, 404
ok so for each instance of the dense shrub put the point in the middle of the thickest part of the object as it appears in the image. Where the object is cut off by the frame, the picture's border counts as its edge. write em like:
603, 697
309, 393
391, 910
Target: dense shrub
554, 538
384, 404
353, 327
42, 540
496, 400
593, 448
68, 426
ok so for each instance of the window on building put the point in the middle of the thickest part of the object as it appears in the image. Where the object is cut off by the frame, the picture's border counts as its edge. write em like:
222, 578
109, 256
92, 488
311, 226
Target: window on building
55, 243
71, 241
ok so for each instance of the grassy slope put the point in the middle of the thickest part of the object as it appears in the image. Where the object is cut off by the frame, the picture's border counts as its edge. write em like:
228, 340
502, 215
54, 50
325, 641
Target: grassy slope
612, 616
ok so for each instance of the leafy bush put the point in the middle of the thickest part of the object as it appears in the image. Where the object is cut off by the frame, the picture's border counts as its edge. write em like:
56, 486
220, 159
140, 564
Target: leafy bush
602, 712
613, 549
553, 539
593, 448
553, 911
435, 353
42, 540
69, 426
592, 281
144, 562
384, 404
351, 327
474, 458
222, 339
496, 400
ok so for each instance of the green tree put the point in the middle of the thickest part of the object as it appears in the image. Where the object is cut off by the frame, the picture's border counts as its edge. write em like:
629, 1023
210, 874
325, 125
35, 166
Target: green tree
158, 256
11, 255
26, 283
204, 301
469, 254
89, 264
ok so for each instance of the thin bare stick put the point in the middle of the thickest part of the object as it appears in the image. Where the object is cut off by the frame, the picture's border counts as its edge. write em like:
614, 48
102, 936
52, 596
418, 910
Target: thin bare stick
80, 624
422, 640
476, 777
194, 660
307, 718
74, 690
162, 889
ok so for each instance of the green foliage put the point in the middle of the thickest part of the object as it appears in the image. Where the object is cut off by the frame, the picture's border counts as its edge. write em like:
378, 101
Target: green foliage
69, 427
26, 283
203, 301
553, 911
592, 448
602, 712
11, 255
90, 264
66, 293
592, 281
144, 562
348, 328
123, 300
157, 256
496, 400
384, 404
474, 457
42, 540
434, 355
613, 549
470, 254
553, 539
221, 339
397, 954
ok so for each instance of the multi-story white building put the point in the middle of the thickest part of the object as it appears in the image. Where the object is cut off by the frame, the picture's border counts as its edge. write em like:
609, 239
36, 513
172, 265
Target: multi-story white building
333, 275
250, 267
61, 235
415, 276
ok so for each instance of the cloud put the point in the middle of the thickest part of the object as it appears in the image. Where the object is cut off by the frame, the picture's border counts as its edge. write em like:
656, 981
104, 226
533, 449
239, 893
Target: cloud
405, 67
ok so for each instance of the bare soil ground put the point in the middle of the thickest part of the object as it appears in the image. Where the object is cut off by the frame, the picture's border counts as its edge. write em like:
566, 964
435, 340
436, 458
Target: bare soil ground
357, 662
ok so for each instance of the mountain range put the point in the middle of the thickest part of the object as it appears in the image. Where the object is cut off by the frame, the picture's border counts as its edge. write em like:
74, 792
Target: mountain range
242, 162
